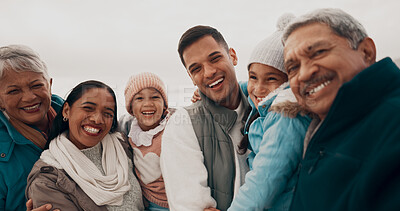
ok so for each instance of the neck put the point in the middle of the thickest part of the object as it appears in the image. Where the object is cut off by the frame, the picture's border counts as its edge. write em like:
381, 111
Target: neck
43, 125
233, 100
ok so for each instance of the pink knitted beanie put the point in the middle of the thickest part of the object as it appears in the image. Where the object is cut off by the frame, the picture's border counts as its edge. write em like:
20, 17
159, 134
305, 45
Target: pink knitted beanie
141, 81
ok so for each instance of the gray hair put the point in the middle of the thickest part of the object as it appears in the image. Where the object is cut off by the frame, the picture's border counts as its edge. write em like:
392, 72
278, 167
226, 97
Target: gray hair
340, 22
20, 58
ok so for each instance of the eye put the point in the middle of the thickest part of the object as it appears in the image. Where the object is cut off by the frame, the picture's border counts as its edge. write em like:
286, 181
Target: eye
291, 69
108, 114
319, 52
195, 69
139, 98
215, 58
155, 97
13, 91
252, 77
37, 86
88, 108
272, 79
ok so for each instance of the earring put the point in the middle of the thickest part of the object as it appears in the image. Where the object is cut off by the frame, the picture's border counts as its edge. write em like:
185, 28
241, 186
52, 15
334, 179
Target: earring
65, 119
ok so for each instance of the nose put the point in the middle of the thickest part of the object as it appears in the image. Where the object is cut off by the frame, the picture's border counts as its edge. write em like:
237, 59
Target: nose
96, 117
307, 71
209, 70
147, 102
260, 89
28, 95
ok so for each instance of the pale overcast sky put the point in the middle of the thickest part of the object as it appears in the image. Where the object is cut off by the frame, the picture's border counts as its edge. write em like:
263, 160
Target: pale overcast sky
111, 40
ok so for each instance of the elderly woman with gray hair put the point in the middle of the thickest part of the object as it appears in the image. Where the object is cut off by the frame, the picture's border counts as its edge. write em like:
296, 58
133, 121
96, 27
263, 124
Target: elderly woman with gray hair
27, 111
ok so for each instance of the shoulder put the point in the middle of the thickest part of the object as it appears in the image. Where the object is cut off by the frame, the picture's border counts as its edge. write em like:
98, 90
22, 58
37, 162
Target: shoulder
56, 101
42, 176
179, 115
283, 120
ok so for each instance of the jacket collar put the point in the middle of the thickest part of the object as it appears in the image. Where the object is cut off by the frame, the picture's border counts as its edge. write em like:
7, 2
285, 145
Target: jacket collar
11, 136
362, 94
224, 116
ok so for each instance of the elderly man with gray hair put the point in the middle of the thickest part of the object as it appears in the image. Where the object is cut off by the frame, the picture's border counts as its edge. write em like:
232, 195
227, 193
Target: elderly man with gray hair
352, 148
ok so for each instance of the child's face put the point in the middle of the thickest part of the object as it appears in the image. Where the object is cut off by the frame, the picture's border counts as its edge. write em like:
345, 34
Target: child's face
263, 79
148, 107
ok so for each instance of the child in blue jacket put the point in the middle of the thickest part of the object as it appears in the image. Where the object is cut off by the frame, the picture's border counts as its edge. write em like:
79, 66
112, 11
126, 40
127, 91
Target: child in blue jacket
274, 131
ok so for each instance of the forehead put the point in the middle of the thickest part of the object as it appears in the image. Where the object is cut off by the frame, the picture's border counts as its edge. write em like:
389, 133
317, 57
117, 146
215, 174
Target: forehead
10, 77
264, 70
308, 35
201, 49
99, 96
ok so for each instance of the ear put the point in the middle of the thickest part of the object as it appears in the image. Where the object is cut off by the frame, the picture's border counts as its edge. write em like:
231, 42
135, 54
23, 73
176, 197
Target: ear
232, 55
368, 50
66, 110
51, 83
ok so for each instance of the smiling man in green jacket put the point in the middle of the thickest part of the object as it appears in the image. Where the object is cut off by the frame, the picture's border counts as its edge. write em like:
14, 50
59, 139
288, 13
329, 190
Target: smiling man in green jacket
352, 149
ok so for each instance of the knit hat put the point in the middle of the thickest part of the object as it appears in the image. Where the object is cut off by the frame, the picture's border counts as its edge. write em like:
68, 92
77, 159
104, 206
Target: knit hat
270, 50
141, 81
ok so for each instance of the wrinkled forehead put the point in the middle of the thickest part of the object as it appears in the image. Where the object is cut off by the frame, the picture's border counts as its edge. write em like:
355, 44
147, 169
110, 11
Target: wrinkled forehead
308, 37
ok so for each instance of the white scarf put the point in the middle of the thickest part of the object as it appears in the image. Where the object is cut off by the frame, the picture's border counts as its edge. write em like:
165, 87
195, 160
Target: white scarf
140, 137
105, 189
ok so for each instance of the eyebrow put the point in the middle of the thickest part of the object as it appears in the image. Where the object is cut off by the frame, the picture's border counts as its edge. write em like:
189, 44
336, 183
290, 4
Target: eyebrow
34, 81
308, 49
96, 105
213, 53
315, 45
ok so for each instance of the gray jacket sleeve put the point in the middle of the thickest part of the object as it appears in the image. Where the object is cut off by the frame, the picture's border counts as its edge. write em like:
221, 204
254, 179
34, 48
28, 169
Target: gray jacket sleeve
47, 184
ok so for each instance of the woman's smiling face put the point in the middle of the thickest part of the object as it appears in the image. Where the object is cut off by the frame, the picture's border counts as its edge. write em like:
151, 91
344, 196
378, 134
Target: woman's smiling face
90, 118
26, 96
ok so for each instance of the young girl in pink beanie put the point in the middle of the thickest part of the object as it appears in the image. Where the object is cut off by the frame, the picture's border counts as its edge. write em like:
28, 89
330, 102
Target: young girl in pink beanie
146, 100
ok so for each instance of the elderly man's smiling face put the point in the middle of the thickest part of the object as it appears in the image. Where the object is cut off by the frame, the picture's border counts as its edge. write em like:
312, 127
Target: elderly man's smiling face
319, 62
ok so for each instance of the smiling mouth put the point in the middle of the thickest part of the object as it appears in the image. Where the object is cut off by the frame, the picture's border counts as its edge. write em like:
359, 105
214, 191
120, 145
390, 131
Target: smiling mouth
148, 113
215, 82
31, 108
91, 130
260, 98
318, 88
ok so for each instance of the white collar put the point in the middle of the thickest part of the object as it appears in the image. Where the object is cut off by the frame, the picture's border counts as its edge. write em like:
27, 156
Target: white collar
140, 137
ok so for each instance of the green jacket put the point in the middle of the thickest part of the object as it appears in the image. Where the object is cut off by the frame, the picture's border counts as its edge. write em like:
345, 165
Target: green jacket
17, 156
353, 159
211, 124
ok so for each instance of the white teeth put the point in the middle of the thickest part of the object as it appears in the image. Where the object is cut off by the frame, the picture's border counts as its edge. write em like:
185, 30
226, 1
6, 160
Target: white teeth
148, 112
91, 130
216, 82
32, 107
318, 88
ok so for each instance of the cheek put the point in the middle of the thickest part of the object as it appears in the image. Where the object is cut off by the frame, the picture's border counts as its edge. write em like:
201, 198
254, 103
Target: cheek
109, 123
135, 108
250, 86
160, 105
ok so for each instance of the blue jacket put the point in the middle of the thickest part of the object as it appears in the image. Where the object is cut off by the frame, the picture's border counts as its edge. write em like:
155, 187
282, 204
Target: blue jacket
276, 141
17, 156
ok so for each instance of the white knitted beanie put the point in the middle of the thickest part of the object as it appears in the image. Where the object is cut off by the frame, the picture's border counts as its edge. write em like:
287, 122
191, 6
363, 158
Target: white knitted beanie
270, 50
141, 81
